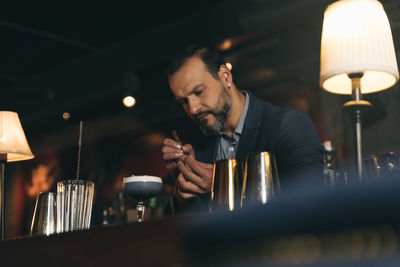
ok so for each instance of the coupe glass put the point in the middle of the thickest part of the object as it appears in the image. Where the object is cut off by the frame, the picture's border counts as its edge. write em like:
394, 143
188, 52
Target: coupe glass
142, 188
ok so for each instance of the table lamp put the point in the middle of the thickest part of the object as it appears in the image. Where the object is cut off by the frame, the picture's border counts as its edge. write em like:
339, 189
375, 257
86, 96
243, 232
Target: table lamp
13, 147
357, 55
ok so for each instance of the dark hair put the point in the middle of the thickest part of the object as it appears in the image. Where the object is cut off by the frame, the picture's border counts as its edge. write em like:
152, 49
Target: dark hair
210, 58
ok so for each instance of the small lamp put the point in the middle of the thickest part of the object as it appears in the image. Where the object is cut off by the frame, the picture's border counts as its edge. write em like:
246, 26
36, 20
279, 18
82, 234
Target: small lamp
357, 55
13, 147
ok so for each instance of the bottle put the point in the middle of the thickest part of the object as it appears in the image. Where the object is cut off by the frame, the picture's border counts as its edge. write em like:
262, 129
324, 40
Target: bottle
329, 164
105, 216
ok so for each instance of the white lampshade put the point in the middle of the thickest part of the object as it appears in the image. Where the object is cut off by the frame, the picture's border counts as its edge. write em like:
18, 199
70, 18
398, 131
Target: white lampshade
356, 38
13, 142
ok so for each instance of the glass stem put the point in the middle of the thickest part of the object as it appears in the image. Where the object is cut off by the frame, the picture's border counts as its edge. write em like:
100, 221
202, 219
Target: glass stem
140, 211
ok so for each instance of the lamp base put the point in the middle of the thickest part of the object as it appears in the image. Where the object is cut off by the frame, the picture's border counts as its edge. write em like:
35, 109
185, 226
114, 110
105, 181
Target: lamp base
356, 107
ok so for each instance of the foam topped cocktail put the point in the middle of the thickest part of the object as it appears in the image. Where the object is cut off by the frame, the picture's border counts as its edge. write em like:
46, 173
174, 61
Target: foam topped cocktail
141, 188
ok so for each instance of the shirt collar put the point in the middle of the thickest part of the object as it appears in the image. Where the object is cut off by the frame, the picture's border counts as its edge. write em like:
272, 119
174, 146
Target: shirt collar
239, 127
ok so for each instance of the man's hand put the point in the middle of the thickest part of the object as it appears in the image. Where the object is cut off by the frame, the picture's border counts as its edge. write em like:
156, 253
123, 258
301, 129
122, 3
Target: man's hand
173, 151
195, 177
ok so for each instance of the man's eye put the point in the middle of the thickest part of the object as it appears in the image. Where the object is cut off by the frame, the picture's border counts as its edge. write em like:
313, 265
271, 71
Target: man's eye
183, 101
198, 92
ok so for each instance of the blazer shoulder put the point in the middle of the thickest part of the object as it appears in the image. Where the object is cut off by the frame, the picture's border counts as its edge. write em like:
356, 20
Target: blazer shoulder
269, 112
295, 117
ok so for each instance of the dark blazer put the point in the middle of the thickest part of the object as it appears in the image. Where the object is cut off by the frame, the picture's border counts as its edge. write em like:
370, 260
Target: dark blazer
287, 132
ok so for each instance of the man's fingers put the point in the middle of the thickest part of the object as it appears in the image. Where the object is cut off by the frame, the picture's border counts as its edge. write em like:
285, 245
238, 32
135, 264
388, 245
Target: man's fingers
171, 166
181, 193
202, 169
185, 195
172, 156
197, 172
188, 149
191, 161
188, 186
172, 143
191, 176
170, 149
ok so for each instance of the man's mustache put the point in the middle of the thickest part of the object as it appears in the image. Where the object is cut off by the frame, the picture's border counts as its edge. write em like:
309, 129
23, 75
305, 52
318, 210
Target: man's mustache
202, 113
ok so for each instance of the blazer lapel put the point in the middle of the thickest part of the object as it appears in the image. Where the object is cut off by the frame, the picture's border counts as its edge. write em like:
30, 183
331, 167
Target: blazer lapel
250, 132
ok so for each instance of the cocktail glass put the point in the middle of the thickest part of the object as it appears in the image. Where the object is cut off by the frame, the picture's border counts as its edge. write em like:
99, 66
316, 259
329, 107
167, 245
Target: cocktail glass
141, 188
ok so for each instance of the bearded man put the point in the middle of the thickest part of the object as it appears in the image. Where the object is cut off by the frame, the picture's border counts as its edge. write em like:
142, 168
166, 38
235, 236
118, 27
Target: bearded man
234, 123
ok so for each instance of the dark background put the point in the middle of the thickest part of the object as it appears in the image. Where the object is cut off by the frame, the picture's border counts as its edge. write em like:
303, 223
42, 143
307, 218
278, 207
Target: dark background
83, 57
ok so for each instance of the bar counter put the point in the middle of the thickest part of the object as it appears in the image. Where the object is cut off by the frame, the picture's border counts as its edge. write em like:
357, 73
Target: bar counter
351, 225
149, 243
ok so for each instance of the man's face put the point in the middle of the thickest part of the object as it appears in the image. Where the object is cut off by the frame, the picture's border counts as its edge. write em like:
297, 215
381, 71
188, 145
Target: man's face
203, 97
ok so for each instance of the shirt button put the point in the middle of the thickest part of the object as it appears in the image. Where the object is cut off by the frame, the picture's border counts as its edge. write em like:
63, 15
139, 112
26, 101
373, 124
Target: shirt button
231, 149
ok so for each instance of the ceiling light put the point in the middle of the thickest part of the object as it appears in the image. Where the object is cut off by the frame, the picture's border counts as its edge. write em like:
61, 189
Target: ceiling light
225, 45
129, 101
66, 116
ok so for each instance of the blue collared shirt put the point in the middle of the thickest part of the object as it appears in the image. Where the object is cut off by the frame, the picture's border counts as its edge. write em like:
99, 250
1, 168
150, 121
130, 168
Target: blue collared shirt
227, 146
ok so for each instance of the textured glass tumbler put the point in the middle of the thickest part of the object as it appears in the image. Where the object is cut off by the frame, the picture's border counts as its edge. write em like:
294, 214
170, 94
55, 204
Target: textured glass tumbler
74, 205
44, 216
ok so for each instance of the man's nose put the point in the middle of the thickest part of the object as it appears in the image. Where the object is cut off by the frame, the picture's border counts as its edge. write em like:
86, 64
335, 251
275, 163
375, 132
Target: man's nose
194, 106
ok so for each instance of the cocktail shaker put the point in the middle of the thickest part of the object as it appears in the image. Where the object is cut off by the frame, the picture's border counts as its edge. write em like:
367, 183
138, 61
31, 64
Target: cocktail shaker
44, 217
226, 185
261, 181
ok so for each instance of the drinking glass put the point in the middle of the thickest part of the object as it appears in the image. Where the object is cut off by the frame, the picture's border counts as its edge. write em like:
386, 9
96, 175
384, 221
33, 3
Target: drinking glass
141, 188
261, 180
383, 165
74, 205
44, 215
226, 185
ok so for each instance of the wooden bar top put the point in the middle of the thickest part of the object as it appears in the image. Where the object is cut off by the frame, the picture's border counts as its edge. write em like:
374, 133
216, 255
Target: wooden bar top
154, 243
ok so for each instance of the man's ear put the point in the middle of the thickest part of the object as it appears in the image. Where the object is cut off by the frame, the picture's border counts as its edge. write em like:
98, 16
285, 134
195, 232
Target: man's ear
225, 76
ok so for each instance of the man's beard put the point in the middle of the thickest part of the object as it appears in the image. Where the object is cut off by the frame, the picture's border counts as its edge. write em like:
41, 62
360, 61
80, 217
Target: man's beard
220, 112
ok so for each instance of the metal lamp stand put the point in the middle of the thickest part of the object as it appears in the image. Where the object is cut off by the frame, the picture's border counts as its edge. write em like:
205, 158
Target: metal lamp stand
356, 106
3, 159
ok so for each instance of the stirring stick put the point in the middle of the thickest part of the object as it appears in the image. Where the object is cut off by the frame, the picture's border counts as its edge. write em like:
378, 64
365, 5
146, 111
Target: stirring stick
176, 136
79, 149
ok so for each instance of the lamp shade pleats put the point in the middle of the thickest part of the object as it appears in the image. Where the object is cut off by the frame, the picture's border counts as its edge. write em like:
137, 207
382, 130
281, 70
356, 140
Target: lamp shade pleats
356, 38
